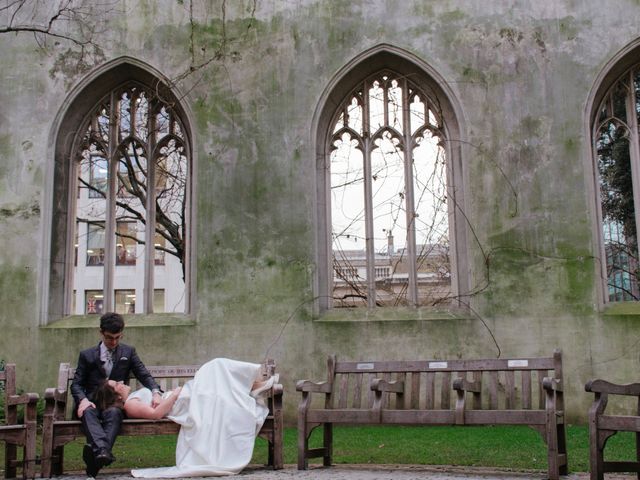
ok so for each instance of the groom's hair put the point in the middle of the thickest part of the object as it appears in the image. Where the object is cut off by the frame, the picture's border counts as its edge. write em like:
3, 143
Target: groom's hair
111, 322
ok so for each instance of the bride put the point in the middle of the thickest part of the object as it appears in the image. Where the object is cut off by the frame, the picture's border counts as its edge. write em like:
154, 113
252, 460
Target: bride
220, 411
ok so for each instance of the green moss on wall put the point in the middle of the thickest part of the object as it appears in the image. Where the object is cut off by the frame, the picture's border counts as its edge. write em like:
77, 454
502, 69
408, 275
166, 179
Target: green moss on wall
15, 280
6, 152
453, 16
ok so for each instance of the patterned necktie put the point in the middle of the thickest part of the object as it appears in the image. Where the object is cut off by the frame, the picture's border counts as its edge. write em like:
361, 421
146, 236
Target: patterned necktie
108, 365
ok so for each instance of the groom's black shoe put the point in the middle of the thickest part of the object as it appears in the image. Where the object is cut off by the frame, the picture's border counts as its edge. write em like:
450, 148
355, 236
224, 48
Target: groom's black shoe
90, 460
104, 458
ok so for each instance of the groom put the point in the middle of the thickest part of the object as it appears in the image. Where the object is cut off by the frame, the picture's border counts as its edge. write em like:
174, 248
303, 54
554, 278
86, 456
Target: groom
108, 360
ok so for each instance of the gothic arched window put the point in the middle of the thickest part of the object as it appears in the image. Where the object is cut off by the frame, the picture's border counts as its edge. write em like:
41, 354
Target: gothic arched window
130, 203
617, 155
390, 192
120, 229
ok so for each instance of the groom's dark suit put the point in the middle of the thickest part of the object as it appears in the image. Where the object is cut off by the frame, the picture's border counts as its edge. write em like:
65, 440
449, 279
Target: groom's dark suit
101, 428
90, 371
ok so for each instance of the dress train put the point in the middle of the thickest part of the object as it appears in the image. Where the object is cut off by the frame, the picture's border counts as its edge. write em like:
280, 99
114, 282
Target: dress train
219, 422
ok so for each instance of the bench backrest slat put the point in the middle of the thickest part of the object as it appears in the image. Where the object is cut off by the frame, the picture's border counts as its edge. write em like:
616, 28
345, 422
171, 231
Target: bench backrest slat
526, 390
415, 390
400, 399
541, 399
343, 390
445, 391
494, 385
430, 390
510, 385
357, 391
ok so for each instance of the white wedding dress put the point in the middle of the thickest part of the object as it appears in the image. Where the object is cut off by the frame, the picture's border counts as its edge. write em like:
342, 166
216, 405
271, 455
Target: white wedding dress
219, 421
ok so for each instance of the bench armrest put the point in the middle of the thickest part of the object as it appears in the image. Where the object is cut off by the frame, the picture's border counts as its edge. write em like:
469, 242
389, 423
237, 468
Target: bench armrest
309, 386
602, 386
55, 395
55, 404
24, 399
552, 384
29, 400
277, 389
381, 385
464, 385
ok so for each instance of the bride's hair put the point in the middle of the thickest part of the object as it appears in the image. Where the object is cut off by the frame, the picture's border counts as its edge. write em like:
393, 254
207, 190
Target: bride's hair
106, 397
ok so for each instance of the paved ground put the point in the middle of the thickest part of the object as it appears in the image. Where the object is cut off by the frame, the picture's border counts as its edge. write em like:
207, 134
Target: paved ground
373, 472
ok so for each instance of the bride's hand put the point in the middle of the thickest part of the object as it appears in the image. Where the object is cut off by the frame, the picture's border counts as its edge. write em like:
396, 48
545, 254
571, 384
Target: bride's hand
156, 399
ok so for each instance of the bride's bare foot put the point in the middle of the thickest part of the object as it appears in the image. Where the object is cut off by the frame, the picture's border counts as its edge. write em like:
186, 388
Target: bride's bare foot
263, 386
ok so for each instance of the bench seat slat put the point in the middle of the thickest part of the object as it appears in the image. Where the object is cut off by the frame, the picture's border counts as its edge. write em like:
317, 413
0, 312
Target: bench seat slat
505, 417
418, 417
346, 415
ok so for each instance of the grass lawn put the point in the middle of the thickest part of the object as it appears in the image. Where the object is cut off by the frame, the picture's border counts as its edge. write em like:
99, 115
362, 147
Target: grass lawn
519, 448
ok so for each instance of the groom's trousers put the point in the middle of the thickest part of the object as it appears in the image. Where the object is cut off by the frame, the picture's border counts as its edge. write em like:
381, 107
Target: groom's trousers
101, 427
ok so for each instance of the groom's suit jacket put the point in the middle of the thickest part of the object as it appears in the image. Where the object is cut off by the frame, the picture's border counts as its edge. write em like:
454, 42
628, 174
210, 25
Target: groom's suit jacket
90, 372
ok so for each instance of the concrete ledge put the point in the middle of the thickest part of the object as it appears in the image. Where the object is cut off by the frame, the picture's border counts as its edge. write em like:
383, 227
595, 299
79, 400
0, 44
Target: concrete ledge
131, 321
392, 314
621, 309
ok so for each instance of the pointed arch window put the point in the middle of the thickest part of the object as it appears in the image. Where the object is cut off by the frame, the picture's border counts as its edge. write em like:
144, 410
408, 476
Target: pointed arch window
389, 185
617, 157
131, 164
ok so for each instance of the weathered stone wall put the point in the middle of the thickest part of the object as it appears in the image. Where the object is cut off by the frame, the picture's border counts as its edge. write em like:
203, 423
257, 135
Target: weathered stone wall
522, 73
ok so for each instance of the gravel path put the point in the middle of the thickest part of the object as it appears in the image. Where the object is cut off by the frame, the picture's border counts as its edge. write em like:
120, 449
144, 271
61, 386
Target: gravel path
372, 472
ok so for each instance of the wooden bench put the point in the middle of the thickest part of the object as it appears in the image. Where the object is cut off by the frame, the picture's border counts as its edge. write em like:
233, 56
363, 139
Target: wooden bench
522, 391
16, 434
61, 426
602, 427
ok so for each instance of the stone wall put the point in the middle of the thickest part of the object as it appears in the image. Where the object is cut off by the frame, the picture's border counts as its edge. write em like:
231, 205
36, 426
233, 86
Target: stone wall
250, 77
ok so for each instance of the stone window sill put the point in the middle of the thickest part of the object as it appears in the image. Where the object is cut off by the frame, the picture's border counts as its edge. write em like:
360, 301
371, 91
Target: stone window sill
131, 321
622, 309
392, 315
